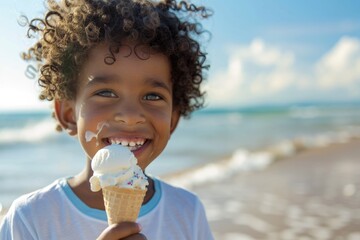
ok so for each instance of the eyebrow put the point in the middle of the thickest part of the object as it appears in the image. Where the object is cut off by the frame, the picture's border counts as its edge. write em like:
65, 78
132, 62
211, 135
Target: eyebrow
153, 82
100, 79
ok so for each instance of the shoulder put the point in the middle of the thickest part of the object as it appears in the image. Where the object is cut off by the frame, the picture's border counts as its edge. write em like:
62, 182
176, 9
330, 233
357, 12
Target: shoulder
39, 197
27, 210
36, 201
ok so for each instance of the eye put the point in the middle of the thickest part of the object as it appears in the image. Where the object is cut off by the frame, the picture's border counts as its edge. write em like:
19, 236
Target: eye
152, 97
105, 93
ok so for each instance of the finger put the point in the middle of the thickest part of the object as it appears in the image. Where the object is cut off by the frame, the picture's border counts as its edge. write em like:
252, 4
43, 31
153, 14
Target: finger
120, 230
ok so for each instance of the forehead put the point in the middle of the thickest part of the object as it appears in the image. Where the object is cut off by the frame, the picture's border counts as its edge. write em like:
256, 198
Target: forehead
126, 60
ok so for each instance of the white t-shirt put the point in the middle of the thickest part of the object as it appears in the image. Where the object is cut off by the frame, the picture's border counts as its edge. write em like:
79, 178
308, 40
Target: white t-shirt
55, 212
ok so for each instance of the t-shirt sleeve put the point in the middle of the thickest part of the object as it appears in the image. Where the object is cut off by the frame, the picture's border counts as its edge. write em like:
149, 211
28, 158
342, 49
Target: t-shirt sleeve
203, 229
14, 226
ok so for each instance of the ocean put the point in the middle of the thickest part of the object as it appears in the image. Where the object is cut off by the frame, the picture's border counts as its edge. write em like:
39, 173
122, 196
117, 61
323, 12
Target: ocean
211, 144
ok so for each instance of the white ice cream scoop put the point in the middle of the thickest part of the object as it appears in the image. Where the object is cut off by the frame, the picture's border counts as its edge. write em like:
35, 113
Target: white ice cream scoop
115, 165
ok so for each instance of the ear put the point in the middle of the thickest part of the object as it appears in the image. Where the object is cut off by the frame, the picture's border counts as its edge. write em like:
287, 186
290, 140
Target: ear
175, 117
65, 114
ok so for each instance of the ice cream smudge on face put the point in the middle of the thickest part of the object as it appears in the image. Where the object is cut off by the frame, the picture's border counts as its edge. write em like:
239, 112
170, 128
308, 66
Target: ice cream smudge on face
89, 135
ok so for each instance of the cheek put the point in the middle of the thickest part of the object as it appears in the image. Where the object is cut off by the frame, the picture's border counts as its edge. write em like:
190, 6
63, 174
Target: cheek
163, 118
90, 113
164, 128
86, 110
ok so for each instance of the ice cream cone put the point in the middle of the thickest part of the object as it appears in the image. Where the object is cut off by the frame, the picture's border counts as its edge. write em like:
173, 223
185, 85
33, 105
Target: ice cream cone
122, 204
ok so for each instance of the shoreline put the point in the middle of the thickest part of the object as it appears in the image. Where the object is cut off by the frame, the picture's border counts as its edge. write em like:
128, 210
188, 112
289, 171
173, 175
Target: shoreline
313, 194
243, 161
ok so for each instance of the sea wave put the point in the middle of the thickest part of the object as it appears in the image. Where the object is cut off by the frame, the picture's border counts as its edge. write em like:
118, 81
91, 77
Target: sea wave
30, 133
243, 160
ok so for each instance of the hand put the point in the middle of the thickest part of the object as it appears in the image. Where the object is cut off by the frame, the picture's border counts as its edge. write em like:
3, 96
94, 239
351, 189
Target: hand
124, 231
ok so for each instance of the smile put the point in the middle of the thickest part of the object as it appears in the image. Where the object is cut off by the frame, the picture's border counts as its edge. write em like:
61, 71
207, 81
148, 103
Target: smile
131, 143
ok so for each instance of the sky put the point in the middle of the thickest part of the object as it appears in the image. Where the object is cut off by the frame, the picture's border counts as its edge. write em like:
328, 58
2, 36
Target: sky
260, 52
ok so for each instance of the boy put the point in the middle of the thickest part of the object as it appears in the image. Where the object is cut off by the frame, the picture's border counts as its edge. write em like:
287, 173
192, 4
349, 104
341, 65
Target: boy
133, 67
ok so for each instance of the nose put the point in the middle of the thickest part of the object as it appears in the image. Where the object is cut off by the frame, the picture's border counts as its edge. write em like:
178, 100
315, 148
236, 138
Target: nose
129, 113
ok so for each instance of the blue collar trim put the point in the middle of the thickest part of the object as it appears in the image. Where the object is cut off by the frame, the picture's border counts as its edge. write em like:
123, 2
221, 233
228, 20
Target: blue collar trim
101, 214
154, 201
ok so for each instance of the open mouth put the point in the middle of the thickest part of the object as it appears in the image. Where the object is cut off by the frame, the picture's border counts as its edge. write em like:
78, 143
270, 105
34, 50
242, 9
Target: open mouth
133, 144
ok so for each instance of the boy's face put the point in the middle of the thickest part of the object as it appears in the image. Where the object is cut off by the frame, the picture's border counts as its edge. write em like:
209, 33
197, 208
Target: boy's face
131, 99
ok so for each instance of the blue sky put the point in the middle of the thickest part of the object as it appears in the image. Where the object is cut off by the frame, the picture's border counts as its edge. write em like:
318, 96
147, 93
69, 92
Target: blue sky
260, 52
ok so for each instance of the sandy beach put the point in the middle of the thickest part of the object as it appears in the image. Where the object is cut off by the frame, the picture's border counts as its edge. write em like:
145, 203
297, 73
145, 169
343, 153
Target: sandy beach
314, 194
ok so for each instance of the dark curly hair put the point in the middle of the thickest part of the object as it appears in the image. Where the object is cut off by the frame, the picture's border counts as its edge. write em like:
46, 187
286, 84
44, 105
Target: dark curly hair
71, 28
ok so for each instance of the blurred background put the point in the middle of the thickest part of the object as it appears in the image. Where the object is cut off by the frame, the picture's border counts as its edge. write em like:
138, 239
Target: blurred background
284, 76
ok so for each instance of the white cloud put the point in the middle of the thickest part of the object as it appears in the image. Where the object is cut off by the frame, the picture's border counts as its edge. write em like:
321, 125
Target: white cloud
260, 73
340, 67
253, 71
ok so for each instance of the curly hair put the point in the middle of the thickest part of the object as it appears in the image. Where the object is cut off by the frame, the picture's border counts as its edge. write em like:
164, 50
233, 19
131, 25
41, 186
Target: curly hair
70, 28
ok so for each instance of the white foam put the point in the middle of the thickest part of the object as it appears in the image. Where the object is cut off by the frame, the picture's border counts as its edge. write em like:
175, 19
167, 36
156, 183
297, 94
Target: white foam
245, 161
327, 138
30, 133
241, 160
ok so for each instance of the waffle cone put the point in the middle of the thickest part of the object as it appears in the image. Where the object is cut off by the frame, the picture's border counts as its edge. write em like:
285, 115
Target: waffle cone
122, 204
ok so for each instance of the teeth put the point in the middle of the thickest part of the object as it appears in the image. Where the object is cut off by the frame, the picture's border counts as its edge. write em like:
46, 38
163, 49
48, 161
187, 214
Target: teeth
126, 143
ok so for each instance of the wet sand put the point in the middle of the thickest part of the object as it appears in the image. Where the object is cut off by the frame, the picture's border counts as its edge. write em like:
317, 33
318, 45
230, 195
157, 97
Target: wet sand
314, 194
